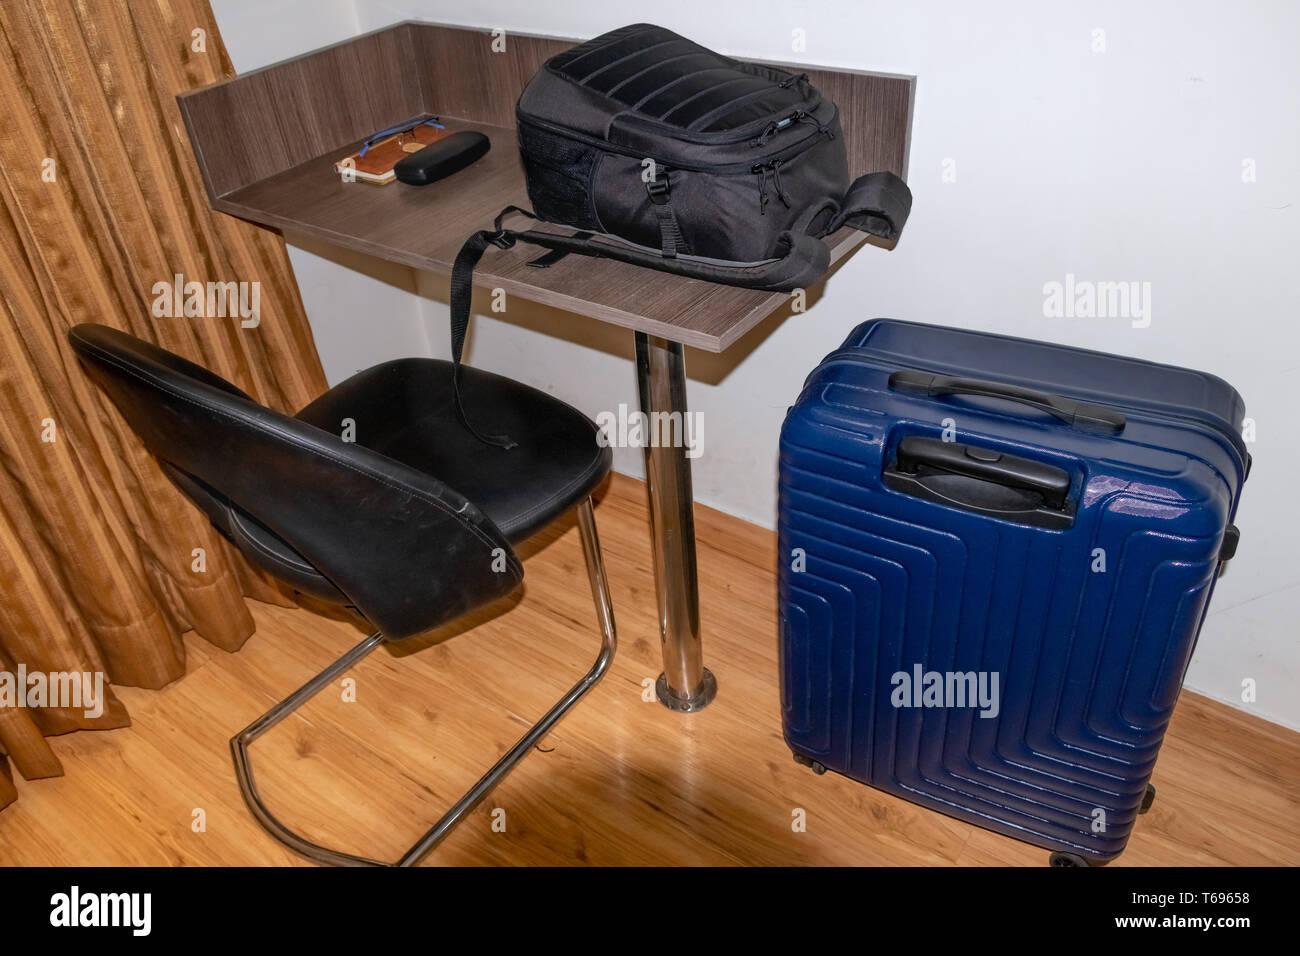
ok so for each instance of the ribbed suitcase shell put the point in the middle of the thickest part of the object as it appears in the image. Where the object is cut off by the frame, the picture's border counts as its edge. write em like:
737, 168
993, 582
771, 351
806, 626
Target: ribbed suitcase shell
1090, 662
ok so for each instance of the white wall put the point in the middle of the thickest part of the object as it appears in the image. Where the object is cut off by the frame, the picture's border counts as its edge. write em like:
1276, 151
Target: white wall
1125, 164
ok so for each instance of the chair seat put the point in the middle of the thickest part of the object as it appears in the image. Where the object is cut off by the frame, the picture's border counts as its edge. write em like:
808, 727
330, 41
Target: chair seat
404, 410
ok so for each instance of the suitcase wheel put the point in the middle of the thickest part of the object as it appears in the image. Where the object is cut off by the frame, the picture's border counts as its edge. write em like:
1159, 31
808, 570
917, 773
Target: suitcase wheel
816, 766
1148, 798
1066, 859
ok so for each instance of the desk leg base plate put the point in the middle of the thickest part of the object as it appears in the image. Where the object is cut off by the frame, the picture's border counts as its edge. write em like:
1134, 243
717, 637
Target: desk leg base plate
703, 696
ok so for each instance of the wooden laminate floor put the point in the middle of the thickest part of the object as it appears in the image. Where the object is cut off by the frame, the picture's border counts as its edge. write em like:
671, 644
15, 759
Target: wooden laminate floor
620, 781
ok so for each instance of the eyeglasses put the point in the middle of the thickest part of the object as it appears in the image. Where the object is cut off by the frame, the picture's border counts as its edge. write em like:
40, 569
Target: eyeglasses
400, 130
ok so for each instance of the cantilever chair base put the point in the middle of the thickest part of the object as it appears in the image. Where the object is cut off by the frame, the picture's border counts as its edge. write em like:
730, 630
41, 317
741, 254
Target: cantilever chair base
303, 503
239, 745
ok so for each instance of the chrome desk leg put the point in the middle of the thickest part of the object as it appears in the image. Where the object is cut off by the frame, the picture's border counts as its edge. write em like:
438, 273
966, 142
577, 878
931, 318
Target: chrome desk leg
686, 684
244, 769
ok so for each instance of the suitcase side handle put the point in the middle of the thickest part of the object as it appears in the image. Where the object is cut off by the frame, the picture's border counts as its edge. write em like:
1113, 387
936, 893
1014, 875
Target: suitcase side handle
1068, 410
982, 480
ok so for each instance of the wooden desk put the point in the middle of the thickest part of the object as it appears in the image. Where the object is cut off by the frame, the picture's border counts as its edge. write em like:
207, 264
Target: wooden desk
266, 143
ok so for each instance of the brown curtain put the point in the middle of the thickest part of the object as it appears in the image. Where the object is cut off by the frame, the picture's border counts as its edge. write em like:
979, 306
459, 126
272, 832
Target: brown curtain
101, 200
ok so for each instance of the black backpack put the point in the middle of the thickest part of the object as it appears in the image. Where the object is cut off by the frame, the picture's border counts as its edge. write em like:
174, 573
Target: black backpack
664, 154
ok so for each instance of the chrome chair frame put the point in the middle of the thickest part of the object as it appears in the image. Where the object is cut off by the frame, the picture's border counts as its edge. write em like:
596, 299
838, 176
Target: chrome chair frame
240, 743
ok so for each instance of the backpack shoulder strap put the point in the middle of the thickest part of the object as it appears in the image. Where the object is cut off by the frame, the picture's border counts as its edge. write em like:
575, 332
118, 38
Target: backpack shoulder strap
877, 203
804, 260
462, 290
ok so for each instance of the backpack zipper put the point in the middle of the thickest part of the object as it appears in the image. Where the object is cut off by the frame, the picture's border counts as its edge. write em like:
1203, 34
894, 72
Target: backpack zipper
798, 116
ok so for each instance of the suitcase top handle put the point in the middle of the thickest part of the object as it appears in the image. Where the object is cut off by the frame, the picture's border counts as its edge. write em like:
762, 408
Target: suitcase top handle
982, 480
1075, 413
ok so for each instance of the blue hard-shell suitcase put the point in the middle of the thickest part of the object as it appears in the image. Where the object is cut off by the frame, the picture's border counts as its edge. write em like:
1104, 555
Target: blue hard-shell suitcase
996, 555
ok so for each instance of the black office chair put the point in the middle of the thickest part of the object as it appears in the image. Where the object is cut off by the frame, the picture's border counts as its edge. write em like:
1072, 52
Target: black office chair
378, 524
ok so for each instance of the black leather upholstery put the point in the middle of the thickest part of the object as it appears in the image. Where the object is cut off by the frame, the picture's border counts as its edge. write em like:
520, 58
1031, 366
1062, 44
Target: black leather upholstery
352, 522
259, 543
402, 410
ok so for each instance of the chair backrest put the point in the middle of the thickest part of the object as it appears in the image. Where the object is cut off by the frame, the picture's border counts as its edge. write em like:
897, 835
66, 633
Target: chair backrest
407, 551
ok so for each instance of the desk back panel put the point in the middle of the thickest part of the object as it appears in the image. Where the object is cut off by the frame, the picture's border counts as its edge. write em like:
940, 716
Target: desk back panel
274, 118
269, 120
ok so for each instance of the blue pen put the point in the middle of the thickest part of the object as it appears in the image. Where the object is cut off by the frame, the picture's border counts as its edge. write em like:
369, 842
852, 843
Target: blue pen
403, 127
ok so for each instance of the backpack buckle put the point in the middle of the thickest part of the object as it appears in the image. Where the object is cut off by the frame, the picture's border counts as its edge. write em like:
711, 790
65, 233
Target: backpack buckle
503, 239
658, 190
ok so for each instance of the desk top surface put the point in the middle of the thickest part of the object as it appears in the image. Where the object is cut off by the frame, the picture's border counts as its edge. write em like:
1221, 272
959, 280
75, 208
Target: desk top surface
297, 190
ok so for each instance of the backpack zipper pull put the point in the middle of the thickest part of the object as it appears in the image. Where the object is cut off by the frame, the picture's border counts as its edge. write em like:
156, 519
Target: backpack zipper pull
760, 170
805, 117
776, 181
763, 171
774, 127
768, 132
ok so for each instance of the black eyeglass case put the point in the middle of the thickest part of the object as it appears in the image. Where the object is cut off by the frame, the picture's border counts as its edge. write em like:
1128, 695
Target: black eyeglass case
441, 159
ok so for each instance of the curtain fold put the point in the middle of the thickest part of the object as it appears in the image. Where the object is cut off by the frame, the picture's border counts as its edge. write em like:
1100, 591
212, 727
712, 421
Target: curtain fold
103, 564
